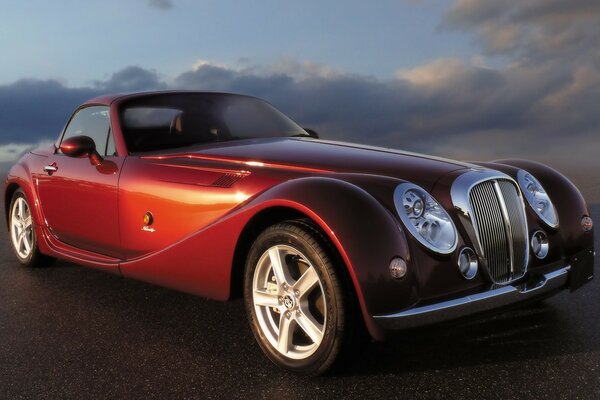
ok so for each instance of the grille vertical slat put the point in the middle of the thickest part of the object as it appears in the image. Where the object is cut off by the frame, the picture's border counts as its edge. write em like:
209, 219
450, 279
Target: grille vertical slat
494, 231
519, 228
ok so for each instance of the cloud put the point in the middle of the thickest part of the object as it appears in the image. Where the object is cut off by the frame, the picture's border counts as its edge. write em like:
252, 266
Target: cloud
531, 30
543, 102
447, 107
131, 79
161, 4
553, 67
33, 110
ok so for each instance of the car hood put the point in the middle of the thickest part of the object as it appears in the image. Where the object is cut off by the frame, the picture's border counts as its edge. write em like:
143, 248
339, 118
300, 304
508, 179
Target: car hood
323, 156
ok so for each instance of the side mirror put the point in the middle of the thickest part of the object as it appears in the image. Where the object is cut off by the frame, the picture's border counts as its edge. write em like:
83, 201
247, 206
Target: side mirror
80, 147
312, 133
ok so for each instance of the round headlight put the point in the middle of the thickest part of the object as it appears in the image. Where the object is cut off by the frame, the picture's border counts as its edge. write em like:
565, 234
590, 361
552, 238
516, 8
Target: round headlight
425, 218
537, 198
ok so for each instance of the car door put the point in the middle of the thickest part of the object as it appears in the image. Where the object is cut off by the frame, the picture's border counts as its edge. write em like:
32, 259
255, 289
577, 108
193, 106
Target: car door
78, 199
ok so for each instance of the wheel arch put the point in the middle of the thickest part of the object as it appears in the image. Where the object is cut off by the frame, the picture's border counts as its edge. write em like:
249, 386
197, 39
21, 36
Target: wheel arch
9, 192
351, 219
258, 223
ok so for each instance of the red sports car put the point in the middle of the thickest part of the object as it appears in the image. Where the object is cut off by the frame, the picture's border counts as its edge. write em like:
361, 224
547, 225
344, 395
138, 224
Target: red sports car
223, 196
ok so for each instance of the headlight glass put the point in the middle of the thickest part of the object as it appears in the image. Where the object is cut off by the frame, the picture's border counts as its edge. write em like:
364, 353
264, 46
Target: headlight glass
537, 198
425, 218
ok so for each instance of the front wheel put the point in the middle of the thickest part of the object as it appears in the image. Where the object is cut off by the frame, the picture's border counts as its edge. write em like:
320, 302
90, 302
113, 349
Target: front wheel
297, 302
22, 233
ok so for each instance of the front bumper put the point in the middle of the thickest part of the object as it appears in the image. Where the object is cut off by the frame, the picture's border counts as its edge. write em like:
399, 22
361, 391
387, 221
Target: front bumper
575, 275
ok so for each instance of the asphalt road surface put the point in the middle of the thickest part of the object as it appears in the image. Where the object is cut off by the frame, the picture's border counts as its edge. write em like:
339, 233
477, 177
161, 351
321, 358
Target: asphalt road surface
72, 332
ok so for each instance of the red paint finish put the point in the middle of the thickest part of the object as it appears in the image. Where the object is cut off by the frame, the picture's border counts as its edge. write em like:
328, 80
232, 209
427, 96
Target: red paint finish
202, 199
79, 203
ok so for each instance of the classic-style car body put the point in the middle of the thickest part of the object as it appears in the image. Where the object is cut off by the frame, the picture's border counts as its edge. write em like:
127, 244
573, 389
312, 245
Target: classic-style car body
186, 217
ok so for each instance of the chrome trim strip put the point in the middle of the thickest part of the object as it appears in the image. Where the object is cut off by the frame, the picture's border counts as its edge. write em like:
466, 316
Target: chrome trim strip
524, 228
508, 227
475, 303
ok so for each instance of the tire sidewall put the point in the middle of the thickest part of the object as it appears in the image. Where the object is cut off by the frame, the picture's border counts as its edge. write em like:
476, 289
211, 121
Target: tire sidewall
283, 234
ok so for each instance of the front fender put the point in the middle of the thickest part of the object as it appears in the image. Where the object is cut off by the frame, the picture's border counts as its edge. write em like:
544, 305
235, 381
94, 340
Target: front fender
570, 204
365, 233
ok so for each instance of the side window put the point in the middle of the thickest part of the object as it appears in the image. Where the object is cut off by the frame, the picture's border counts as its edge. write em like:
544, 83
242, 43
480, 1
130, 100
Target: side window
93, 122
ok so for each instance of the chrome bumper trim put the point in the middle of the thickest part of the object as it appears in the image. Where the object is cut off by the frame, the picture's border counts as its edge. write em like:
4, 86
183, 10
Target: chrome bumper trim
474, 303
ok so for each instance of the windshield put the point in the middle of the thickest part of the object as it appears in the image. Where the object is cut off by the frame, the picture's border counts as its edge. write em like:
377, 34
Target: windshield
171, 120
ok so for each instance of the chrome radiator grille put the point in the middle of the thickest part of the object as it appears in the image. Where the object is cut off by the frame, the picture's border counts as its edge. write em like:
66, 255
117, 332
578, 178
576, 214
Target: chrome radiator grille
501, 228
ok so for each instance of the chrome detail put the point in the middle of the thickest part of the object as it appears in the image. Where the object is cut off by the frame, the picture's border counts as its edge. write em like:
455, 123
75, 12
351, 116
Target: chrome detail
21, 228
288, 302
50, 169
399, 203
507, 227
492, 211
539, 244
475, 303
517, 221
467, 263
291, 312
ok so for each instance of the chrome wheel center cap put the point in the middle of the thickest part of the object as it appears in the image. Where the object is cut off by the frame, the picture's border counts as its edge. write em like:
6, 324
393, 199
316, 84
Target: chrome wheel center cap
288, 302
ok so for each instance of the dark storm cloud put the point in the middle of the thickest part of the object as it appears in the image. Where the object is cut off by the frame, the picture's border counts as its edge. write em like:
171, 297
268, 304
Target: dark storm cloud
161, 4
131, 79
507, 111
33, 110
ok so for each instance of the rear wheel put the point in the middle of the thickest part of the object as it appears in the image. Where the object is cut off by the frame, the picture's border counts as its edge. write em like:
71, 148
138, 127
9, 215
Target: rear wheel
22, 233
297, 303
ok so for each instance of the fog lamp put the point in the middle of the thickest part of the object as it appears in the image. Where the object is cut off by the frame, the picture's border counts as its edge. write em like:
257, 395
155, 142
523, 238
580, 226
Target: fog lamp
587, 223
539, 244
398, 268
467, 263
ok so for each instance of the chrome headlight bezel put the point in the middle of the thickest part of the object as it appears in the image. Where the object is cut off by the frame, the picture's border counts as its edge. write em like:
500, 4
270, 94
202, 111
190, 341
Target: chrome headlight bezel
526, 179
430, 205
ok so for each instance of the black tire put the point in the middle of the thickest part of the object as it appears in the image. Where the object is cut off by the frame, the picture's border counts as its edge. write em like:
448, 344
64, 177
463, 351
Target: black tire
338, 308
33, 257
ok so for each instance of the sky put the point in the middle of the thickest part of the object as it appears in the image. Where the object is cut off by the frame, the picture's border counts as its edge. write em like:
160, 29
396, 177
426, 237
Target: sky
78, 42
469, 79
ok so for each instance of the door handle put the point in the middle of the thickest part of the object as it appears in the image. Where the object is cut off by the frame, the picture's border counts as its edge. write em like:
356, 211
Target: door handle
50, 169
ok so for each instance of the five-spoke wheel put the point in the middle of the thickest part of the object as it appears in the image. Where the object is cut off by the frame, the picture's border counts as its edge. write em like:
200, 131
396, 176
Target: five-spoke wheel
296, 306
21, 228
289, 301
